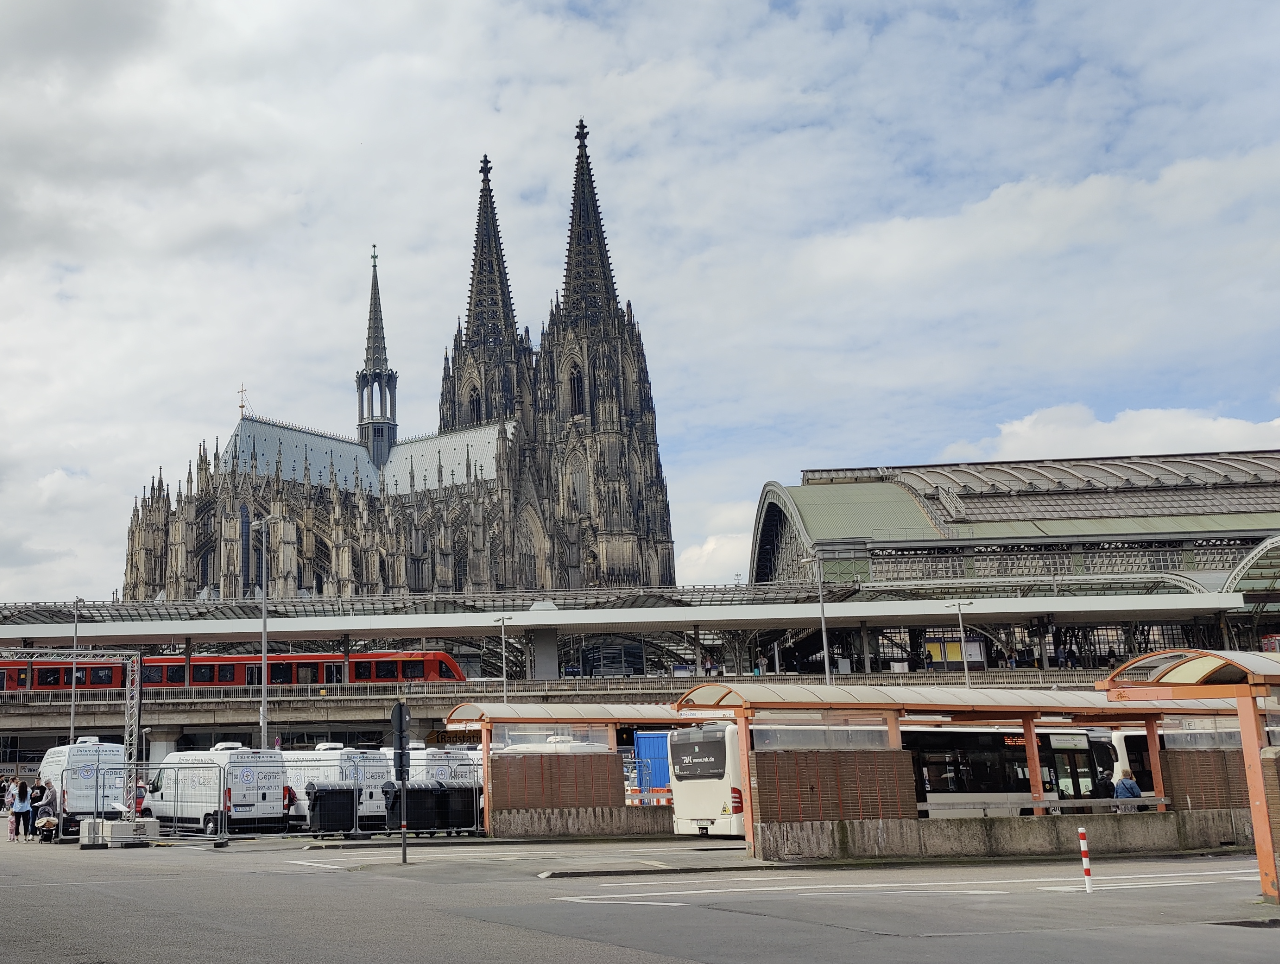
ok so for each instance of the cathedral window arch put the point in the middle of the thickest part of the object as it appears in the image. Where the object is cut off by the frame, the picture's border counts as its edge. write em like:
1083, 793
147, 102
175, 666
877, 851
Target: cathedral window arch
375, 409
577, 404
474, 405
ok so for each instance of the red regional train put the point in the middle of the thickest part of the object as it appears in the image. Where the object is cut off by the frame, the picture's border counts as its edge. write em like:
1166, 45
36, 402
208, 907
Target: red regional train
284, 669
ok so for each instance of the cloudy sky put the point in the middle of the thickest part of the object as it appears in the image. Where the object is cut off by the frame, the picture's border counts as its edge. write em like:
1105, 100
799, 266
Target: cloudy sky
853, 234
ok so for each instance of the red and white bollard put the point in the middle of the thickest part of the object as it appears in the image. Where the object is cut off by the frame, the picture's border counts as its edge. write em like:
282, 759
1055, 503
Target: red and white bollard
1084, 858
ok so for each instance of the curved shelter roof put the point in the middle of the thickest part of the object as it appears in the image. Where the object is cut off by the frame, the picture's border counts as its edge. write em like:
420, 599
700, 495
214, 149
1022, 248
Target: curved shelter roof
561, 713
991, 703
1175, 668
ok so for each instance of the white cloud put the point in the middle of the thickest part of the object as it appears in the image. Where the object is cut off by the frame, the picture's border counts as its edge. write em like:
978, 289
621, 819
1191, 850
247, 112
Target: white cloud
718, 560
1073, 431
850, 235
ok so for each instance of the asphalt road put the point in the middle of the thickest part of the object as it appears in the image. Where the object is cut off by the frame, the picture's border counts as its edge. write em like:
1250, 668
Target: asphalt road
484, 902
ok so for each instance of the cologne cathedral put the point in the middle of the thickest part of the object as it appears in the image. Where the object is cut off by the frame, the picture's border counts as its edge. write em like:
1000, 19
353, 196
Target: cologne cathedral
544, 473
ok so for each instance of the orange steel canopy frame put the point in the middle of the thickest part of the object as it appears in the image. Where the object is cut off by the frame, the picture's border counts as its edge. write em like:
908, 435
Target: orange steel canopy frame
744, 702
1197, 674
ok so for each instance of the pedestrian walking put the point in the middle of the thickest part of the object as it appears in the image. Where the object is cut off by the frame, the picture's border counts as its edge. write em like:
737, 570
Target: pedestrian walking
928, 661
1128, 789
50, 796
22, 811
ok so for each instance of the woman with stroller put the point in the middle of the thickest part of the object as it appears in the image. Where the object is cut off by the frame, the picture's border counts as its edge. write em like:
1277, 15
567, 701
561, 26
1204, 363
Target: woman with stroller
22, 811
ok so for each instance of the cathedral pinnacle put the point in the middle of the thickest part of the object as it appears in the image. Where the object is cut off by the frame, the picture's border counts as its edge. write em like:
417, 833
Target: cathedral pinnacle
375, 351
588, 276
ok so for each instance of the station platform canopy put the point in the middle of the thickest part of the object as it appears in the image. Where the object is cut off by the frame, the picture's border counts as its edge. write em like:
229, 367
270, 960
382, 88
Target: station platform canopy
620, 714
938, 704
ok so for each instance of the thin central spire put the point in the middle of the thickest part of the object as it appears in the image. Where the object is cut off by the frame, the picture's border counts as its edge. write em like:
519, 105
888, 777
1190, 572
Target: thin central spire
375, 348
489, 309
588, 275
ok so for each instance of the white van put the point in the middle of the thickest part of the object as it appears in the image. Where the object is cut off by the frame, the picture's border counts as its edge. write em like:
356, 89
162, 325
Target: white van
330, 762
192, 787
89, 777
440, 763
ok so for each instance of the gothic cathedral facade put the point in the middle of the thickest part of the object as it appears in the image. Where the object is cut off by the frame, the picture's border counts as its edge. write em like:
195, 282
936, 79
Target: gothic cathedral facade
544, 474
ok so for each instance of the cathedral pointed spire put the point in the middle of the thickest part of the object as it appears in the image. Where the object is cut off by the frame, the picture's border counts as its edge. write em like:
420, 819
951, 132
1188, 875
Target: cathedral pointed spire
375, 348
588, 276
376, 384
490, 315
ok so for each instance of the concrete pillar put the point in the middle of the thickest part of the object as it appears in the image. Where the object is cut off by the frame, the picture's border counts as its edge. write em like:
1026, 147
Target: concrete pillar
546, 659
161, 741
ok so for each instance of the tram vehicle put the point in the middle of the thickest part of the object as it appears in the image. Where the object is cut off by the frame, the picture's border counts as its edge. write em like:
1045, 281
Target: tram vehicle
89, 777
967, 771
191, 787
284, 669
333, 762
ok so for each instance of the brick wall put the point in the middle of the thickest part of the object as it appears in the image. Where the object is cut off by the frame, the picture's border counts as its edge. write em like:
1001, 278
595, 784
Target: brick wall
798, 785
553, 781
1205, 779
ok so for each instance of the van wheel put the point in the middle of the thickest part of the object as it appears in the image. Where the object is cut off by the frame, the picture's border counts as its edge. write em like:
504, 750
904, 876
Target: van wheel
146, 814
210, 825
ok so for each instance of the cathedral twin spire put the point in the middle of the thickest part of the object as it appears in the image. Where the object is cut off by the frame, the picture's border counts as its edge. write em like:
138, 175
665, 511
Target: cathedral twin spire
376, 384
588, 275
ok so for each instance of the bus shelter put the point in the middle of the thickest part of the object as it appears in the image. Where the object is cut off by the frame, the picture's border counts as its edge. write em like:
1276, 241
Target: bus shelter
754, 704
1243, 679
550, 728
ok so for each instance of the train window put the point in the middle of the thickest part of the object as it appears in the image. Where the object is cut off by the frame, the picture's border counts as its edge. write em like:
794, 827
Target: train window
152, 674
363, 670
253, 676
227, 673
202, 673
47, 677
281, 674
308, 673
446, 671
412, 669
102, 676
385, 669
66, 676
175, 675
333, 672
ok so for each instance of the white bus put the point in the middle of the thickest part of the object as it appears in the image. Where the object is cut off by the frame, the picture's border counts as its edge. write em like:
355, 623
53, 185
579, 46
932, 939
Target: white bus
332, 762
196, 789
706, 780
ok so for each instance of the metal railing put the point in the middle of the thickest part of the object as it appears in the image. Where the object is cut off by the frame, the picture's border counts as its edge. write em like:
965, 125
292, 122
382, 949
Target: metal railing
481, 690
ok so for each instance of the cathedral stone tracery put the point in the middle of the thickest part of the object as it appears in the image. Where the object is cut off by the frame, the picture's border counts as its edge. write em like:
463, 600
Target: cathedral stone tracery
544, 473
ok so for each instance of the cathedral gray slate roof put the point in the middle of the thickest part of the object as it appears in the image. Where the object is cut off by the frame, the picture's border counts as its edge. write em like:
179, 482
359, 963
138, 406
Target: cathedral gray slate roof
453, 457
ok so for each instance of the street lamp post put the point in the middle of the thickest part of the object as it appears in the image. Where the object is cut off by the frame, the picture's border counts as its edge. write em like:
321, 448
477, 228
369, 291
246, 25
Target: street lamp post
75, 647
502, 621
822, 616
262, 708
964, 657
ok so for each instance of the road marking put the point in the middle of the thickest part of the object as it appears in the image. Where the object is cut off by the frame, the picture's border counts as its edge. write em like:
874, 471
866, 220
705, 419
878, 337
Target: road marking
890, 887
907, 893
713, 880
312, 863
1143, 885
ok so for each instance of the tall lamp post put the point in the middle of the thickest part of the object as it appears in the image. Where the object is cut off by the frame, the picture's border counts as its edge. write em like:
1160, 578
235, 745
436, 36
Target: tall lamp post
502, 621
261, 524
964, 657
75, 648
822, 616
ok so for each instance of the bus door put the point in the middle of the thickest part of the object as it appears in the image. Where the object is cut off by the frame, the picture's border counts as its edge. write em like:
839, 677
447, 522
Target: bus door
1072, 765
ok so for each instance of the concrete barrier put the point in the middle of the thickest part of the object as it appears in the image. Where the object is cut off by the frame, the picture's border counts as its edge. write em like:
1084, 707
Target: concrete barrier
1109, 833
582, 822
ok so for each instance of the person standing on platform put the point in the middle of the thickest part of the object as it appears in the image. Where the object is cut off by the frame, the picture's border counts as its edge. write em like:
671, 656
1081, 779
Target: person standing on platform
22, 811
1128, 789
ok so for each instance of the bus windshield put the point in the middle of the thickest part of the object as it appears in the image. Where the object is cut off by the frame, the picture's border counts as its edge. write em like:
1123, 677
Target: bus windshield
698, 753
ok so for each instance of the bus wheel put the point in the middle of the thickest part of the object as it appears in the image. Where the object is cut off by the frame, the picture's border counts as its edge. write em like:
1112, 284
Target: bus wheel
210, 825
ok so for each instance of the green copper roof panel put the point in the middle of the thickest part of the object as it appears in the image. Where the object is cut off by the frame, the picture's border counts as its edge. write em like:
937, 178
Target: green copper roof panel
866, 510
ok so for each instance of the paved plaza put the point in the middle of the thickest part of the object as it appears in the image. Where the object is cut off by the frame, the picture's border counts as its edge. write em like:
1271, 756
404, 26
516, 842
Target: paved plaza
476, 902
